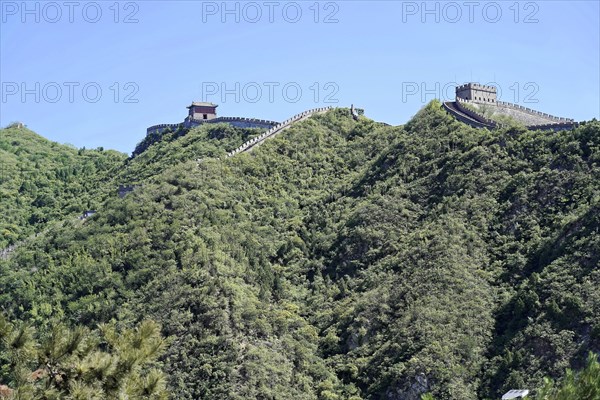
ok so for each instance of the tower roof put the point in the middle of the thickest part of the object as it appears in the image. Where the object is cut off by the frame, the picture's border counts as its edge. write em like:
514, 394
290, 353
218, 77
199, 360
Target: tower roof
202, 104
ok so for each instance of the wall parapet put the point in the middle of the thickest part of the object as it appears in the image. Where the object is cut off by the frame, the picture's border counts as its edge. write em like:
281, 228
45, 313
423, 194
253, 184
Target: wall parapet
521, 109
472, 85
241, 119
533, 112
499, 103
556, 126
260, 123
452, 108
473, 118
275, 129
474, 114
162, 127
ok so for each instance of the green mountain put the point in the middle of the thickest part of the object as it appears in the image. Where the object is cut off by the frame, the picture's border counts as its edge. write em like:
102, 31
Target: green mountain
341, 259
43, 182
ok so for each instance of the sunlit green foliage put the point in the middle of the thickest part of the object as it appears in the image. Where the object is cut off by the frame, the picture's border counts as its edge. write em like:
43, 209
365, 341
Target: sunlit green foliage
77, 363
43, 181
340, 260
581, 385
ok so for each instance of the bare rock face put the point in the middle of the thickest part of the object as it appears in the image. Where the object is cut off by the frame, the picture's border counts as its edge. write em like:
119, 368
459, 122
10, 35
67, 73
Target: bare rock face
5, 253
411, 390
353, 341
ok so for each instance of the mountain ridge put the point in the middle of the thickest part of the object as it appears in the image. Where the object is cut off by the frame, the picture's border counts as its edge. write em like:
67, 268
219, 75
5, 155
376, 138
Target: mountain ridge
343, 259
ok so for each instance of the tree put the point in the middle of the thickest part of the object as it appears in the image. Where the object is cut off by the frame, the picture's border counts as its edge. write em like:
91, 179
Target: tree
78, 363
582, 385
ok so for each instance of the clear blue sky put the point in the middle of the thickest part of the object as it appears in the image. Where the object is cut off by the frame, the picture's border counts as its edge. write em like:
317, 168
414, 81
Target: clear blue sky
388, 57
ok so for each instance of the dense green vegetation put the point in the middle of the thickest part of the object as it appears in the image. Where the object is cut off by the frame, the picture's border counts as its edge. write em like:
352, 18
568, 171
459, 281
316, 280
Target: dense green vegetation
43, 181
582, 385
79, 364
155, 153
340, 260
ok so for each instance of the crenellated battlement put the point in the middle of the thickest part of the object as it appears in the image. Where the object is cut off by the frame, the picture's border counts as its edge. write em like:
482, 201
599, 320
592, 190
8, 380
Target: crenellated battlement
202, 109
162, 127
277, 129
243, 122
480, 96
474, 114
272, 127
476, 92
533, 112
556, 126
473, 85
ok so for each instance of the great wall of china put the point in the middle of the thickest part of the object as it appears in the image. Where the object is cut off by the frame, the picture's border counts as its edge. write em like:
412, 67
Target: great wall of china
240, 122
276, 130
247, 146
459, 109
473, 99
475, 105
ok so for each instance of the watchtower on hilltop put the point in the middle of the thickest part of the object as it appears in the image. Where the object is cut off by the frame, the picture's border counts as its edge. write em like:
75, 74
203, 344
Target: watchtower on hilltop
477, 105
206, 113
202, 111
476, 92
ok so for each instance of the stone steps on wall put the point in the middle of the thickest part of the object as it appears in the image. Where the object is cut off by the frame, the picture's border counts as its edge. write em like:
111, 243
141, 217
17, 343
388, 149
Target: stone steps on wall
453, 109
277, 129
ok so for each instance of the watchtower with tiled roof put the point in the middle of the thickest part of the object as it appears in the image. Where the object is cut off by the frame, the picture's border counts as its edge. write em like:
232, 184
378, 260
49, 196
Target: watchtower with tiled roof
202, 111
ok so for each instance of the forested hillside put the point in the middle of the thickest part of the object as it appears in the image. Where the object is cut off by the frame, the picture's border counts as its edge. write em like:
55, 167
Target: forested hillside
43, 181
342, 259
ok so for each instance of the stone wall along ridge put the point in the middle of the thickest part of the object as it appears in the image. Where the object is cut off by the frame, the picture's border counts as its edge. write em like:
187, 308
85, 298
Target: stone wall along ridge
276, 129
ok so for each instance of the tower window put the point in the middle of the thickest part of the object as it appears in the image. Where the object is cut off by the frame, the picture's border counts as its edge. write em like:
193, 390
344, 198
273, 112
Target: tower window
204, 116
